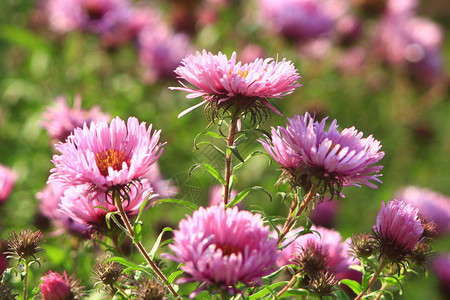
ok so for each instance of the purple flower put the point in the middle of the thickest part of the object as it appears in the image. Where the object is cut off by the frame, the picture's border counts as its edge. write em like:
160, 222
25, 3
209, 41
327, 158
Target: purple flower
332, 159
324, 213
60, 121
50, 199
432, 206
441, 266
226, 83
222, 247
161, 187
331, 246
7, 181
55, 286
161, 51
413, 44
303, 19
107, 156
398, 230
96, 16
82, 205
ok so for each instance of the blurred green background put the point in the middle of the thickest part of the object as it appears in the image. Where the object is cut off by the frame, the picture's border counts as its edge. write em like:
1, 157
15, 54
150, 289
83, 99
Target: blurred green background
412, 122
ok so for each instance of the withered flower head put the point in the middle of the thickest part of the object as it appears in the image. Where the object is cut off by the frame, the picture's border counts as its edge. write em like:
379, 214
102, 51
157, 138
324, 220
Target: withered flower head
422, 254
150, 289
310, 259
362, 245
7, 293
24, 245
323, 284
107, 272
429, 228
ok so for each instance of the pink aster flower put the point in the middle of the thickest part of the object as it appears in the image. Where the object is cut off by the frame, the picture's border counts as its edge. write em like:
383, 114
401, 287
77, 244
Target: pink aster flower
7, 181
82, 205
307, 152
324, 213
55, 286
398, 230
161, 51
61, 120
222, 247
413, 44
161, 187
50, 199
96, 16
303, 19
432, 206
441, 267
107, 156
331, 246
225, 83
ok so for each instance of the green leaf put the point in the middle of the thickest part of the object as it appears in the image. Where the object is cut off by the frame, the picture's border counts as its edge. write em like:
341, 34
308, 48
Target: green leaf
239, 197
253, 154
295, 292
353, 284
137, 228
208, 133
179, 202
236, 152
266, 290
158, 242
129, 264
341, 295
212, 145
23, 37
174, 275
56, 255
210, 169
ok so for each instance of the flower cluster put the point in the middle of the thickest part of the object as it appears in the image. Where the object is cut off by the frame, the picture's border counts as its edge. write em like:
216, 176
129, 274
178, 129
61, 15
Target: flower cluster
100, 161
57, 286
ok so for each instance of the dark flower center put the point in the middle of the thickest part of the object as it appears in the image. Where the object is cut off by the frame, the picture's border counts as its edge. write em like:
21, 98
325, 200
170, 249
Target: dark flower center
111, 158
227, 249
94, 11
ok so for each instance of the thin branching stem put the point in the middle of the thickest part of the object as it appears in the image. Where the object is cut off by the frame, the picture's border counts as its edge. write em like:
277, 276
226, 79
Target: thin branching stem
141, 248
228, 171
372, 280
287, 286
25, 281
292, 218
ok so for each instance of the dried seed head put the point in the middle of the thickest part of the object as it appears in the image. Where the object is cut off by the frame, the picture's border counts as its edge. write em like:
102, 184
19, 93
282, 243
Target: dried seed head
422, 254
310, 259
362, 245
429, 229
7, 293
107, 272
323, 284
150, 289
24, 245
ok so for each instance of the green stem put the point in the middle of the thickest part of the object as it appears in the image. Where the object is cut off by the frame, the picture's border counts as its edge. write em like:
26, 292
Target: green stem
287, 286
373, 279
292, 218
228, 155
130, 233
25, 281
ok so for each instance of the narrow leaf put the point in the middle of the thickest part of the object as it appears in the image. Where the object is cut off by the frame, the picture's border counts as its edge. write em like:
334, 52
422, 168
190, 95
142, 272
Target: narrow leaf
180, 202
158, 242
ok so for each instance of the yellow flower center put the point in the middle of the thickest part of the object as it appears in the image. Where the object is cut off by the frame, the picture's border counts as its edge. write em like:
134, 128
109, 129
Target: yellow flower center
111, 158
